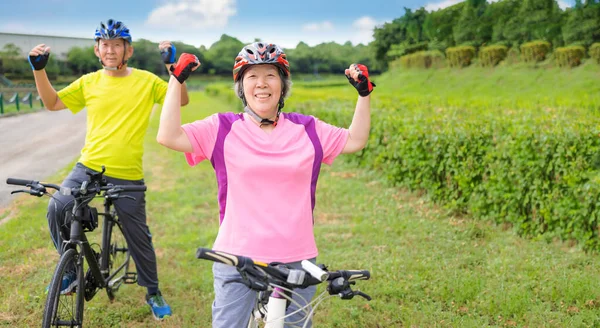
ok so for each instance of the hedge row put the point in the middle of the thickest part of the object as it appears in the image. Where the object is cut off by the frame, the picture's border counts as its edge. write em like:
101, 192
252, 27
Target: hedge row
538, 174
530, 52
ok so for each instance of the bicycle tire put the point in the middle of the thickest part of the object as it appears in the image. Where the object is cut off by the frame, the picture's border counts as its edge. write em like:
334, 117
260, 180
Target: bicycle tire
119, 257
65, 309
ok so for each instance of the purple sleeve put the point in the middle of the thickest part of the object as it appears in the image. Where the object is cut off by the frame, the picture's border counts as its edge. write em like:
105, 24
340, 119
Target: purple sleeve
333, 140
202, 135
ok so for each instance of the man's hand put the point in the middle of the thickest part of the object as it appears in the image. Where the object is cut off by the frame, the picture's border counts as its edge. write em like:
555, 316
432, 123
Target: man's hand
358, 76
168, 52
186, 64
38, 57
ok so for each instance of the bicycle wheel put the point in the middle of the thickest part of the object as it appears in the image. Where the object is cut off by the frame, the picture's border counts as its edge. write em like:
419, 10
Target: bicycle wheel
65, 309
118, 261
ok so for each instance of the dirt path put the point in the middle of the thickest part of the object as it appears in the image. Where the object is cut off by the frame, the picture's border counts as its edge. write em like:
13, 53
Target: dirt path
34, 146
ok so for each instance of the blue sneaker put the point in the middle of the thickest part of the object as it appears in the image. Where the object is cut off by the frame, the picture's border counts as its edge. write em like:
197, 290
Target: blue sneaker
69, 281
160, 308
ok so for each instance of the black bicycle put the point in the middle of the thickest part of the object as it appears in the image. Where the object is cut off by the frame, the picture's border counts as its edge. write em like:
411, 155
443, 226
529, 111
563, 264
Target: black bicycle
107, 268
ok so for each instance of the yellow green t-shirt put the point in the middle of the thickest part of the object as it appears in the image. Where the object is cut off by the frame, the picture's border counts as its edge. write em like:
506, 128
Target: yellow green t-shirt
118, 112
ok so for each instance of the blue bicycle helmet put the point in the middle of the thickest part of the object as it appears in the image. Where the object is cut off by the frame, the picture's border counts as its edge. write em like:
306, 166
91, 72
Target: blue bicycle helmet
113, 29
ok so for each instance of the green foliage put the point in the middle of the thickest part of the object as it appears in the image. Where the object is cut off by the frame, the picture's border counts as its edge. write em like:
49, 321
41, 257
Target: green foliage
531, 165
82, 60
569, 56
472, 26
460, 56
422, 59
399, 50
595, 52
535, 51
221, 54
13, 63
492, 55
582, 25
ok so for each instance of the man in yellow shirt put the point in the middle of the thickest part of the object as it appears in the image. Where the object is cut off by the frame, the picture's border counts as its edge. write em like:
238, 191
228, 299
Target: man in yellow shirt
118, 100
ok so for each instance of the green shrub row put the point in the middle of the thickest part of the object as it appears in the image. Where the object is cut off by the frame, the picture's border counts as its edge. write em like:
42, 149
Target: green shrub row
537, 173
531, 52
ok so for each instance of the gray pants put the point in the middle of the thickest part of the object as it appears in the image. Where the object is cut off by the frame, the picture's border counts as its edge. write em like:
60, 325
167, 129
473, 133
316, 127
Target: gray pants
234, 302
132, 215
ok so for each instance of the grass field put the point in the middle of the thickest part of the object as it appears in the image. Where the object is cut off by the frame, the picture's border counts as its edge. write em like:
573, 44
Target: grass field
429, 268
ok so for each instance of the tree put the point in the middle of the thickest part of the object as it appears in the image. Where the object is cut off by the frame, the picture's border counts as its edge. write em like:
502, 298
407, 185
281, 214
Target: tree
82, 60
221, 54
471, 26
582, 23
540, 20
13, 62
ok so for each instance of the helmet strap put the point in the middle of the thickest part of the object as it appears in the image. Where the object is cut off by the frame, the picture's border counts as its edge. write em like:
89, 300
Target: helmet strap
262, 121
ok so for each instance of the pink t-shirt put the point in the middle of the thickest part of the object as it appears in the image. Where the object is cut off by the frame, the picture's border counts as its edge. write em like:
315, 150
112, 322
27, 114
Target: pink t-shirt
266, 182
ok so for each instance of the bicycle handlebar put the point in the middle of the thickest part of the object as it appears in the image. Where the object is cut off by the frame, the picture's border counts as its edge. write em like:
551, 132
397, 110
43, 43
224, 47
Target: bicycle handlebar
87, 190
257, 275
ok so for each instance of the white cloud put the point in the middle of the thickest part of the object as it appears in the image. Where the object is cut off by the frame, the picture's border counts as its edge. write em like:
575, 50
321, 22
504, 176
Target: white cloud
441, 5
363, 30
185, 14
325, 26
563, 4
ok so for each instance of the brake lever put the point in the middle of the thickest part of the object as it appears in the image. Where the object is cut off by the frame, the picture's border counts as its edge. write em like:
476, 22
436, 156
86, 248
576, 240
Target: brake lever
359, 293
32, 192
250, 283
241, 281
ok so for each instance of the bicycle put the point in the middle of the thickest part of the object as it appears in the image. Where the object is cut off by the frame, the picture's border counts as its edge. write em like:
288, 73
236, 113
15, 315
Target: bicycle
107, 268
275, 283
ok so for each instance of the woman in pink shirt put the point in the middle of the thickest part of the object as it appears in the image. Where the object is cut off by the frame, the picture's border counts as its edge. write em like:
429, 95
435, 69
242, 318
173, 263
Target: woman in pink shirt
267, 163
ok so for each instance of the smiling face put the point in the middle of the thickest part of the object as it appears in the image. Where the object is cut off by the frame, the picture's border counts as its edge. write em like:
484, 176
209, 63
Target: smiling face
262, 89
111, 51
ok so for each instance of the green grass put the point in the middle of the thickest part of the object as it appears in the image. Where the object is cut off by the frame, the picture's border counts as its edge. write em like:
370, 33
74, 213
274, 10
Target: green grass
23, 107
508, 87
429, 268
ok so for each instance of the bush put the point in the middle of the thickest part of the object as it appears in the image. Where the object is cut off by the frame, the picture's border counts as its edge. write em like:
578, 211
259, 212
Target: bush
595, 52
492, 55
535, 51
569, 56
461, 56
423, 59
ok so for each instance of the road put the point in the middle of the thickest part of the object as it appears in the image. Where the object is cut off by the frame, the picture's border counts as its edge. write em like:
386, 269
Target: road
35, 146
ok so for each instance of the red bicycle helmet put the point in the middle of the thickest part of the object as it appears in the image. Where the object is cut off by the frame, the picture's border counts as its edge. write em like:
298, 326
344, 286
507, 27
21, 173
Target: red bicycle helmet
260, 53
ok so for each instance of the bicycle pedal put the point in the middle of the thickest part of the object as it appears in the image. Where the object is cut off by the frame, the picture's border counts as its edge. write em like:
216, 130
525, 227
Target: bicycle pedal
130, 278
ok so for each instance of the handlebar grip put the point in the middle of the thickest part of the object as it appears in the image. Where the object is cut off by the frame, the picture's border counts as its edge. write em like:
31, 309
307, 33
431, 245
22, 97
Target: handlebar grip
19, 182
222, 257
132, 188
358, 275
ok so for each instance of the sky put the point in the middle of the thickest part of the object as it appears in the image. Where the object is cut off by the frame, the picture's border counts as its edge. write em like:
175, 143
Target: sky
202, 22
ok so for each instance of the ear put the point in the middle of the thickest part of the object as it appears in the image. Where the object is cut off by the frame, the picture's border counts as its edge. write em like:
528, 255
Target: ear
97, 51
129, 51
